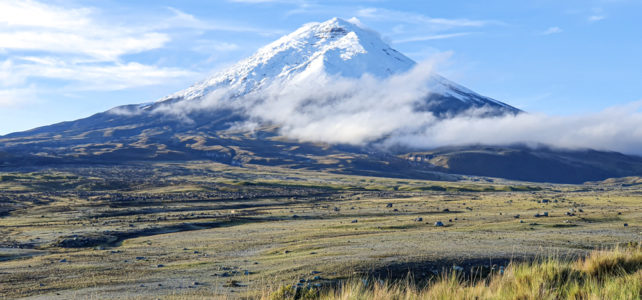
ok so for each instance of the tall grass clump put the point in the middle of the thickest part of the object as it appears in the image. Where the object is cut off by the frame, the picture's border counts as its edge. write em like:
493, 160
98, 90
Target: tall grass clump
603, 274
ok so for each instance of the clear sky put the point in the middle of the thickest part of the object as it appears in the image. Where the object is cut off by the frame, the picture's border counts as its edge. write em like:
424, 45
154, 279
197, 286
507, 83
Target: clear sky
63, 60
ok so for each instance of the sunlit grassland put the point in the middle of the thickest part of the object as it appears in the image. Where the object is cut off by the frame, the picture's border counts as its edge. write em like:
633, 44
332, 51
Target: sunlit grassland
158, 232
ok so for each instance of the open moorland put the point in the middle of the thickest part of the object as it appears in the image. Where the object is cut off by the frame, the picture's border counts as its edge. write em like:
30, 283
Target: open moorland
203, 229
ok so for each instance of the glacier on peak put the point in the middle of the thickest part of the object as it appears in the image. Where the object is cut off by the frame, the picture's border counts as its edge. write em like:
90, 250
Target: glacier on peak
336, 47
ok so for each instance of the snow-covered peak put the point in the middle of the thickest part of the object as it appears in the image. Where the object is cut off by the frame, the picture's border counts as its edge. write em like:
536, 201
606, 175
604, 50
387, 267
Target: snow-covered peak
336, 47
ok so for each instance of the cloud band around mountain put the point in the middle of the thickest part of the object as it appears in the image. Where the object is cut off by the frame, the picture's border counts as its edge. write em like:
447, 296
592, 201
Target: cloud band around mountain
382, 112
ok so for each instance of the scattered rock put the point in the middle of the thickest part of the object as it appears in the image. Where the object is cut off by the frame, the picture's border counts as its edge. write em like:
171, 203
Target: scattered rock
232, 283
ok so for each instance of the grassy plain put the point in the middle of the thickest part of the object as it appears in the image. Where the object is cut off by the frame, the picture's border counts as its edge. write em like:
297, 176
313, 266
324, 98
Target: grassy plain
195, 230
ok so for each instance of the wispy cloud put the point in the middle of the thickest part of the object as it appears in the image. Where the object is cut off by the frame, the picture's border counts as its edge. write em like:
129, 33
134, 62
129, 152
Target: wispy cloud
431, 37
414, 18
87, 51
596, 18
16, 96
209, 46
95, 76
268, 1
551, 30
409, 27
181, 19
39, 27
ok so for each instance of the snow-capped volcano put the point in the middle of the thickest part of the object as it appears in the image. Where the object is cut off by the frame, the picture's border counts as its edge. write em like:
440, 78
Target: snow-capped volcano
330, 96
338, 48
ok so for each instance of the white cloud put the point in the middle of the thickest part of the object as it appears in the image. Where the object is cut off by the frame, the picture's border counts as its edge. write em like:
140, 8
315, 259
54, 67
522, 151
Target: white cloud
383, 112
263, 1
596, 18
82, 48
181, 19
101, 45
616, 128
209, 46
34, 26
30, 13
414, 18
16, 96
82, 76
431, 37
551, 30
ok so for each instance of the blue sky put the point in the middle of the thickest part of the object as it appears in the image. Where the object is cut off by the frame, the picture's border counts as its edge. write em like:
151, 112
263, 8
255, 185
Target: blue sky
63, 60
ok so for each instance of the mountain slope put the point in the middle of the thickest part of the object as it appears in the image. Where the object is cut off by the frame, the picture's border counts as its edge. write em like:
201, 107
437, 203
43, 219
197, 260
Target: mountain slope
344, 51
540, 164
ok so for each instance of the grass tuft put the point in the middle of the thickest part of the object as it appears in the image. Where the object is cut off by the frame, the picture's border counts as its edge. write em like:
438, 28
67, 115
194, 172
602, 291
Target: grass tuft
604, 274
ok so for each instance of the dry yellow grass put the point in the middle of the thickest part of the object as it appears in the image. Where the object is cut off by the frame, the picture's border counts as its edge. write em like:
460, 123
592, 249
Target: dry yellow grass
607, 274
